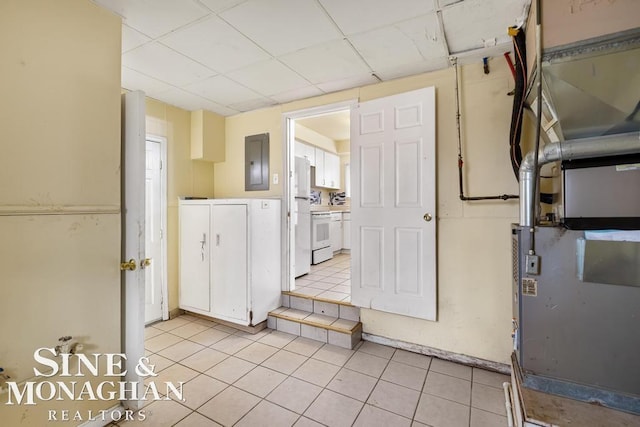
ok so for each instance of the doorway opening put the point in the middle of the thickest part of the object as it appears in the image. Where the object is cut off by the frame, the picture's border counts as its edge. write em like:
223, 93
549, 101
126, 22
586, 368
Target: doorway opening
319, 196
156, 307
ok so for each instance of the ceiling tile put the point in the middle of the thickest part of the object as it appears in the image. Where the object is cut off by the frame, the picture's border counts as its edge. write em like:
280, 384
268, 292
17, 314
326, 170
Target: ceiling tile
220, 5
469, 24
131, 39
252, 104
268, 78
215, 44
164, 64
348, 83
395, 72
328, 62
282, 26
302, 93
134, 80
191, 102
405, 43
445, 3
356, 16
222, 90
156, 17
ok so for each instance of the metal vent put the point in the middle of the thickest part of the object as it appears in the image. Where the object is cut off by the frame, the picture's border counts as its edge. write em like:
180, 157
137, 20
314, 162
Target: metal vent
529, 287
515, 260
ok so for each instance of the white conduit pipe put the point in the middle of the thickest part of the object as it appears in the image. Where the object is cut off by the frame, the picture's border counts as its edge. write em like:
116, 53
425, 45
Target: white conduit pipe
613, 145
507, 402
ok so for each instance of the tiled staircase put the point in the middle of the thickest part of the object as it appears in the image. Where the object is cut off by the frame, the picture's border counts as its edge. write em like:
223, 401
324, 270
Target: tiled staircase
319, 319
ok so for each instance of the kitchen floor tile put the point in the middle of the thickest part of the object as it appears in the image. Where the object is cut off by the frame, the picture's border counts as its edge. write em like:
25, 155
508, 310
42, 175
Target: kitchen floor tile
306, 422
150, 332
160, 363
377, 349
405, 375
489, 399
231, 344
413, 359
174, 374
277, 339
181, 350
367, 364
260, 381
160, 342
256, 352
451, 368
284, 361
437, 412
312, 292
316, 372
160, 413
208, 337
333, 409
492, 379
303, 346
447, 387
204, 359
200, 389
294, 394
333, 296
189, 330
229, 406
370, 416
254, 337
225, 328
334, 355
230, 370
353, 384
197, 420
266, 414
170, 324
394, 398
480, 418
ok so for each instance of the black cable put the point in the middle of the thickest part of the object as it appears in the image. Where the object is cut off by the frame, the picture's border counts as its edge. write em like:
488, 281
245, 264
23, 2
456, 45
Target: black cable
515, 131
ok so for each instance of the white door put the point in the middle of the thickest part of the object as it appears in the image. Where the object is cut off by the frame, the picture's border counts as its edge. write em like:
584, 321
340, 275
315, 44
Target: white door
229, 262
153, 223
393, 204
133, 233
195, 262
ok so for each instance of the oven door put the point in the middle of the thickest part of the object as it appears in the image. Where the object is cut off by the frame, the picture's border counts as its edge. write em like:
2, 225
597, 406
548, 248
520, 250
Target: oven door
320, 223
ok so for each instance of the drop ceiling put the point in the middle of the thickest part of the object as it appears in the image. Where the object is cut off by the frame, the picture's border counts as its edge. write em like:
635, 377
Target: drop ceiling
230, 56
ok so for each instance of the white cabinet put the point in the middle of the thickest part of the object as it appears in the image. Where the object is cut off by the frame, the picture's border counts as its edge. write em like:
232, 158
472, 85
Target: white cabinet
300, 149
230, 258
335, 231
346, 230
327, 169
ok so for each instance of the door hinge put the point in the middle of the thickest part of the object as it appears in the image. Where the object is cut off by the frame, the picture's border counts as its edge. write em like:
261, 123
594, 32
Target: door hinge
161, 234
160, 164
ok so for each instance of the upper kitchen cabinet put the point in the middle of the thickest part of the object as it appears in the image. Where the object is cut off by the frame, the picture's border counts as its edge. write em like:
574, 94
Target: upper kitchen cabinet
327, 169
207, 136
301, 149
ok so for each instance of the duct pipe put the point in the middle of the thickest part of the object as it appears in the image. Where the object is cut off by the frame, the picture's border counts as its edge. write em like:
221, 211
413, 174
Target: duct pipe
613, 145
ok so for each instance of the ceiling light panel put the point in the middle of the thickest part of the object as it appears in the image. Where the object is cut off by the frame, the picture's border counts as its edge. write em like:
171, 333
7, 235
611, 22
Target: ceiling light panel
328, 62
356, 16
282, 26
156, 17
269, 78
162, 63
216, 44
474, 24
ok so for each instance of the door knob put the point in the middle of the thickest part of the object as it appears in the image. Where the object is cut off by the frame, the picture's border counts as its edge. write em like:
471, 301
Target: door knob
129, 265
427, 217
145, 262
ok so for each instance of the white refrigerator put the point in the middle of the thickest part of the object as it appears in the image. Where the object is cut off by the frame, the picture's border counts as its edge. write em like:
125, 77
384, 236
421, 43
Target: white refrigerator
302, 216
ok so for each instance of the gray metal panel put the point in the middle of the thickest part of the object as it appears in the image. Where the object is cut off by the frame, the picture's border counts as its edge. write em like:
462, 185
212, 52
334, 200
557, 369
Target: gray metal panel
581, 332
602, 192
256, 162
614, 263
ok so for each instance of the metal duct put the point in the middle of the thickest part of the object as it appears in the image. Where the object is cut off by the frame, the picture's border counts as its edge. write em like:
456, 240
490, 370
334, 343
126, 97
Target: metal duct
627, 143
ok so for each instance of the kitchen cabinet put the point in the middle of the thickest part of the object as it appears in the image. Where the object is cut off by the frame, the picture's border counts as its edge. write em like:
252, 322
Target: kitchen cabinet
300, 149
327, 169
230, 258
335, 231
346, 230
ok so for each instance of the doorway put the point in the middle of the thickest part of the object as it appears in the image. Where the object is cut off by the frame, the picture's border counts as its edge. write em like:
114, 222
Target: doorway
321, 135
155, 223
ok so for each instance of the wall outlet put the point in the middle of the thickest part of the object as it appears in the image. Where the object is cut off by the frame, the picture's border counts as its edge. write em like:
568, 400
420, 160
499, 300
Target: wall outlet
265, 204
276, 179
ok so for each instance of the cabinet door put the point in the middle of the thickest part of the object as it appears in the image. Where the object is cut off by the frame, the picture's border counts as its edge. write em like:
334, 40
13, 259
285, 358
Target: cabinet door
335, 234
229, 262
332, 170
320, 167
195, 243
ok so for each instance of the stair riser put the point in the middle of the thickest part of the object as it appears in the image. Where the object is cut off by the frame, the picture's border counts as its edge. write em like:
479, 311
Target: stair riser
322, 307
316, 333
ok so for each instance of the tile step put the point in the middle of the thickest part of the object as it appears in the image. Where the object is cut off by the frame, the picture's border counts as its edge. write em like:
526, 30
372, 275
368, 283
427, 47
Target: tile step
339, 309
319, 327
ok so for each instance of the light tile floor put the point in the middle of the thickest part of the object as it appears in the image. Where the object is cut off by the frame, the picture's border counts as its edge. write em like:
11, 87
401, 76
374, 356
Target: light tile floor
330, 280
274, 379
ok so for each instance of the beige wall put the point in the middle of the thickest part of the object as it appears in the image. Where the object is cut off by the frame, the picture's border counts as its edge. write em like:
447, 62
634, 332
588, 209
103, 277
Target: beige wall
474, 258
60, 191
185, 177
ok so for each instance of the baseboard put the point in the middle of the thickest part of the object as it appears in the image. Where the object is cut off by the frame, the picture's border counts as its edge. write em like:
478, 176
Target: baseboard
106, 420
440, 354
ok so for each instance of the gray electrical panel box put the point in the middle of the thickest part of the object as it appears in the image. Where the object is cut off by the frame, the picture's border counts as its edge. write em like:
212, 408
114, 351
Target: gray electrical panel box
256, 162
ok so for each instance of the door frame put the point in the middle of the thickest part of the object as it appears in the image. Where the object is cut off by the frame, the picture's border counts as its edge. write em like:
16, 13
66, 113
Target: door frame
163, 220
288, 134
